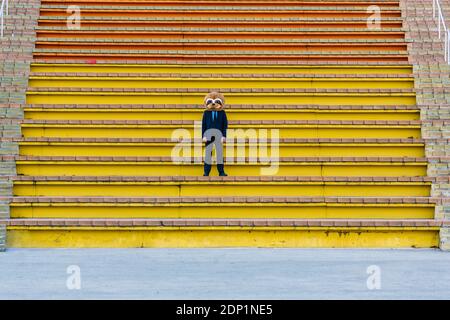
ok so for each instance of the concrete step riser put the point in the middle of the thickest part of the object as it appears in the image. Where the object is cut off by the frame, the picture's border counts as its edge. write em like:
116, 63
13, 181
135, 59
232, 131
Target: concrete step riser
153, 23
249, 169
223, 69
219, 34
216, 4
232, 114
146, 150
337, 14
311, 83
210, 237
222, 189
116, 98
311, 58
350, 131
222, 211
255, 47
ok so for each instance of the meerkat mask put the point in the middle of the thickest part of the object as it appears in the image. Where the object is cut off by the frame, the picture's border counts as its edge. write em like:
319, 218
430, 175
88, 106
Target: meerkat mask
214, 101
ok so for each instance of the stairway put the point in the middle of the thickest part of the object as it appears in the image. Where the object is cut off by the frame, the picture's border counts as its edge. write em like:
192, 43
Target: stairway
332, 100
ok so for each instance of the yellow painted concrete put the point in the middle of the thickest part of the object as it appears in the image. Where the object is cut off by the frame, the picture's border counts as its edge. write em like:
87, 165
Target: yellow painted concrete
169, 131
36, 97
196, 150
219, 237
354, 169
221, 69
232, 114
222, 210
225, 189
223, 83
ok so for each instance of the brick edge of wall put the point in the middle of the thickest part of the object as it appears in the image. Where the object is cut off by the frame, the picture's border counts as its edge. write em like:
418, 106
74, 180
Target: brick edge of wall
431, 75
16, 54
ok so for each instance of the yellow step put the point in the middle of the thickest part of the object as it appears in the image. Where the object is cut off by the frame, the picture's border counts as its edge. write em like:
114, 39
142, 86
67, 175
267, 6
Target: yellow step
251, 113
215, 81
186, 131
219, 237
236, 210
221, 69
286, 168
187, 187
103, 147
405, 97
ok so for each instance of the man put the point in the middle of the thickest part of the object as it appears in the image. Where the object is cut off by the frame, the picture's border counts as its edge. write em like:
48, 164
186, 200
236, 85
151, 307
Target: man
214, 130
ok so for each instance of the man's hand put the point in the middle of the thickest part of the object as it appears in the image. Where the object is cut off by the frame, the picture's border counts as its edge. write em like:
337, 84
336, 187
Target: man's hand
205, 140
224, 139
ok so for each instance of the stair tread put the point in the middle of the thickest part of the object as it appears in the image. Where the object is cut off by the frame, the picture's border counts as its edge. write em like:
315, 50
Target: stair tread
322, 20
270, 8
162, 62
229, 179
232, 122
225, 29
229, 222
167, 159
209, 53
224, 200
229, 106
231, 42
361, 141
216, 76
226, 90
234, 2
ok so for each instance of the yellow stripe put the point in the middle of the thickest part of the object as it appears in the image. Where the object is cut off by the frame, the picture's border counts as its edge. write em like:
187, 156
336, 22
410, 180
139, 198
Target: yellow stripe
232, 98
224, 83
223, 189
233, 114
223, 237
226, 69
222, 210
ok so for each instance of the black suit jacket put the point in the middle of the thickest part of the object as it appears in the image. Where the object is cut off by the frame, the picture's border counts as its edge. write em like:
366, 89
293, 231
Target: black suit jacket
219, 123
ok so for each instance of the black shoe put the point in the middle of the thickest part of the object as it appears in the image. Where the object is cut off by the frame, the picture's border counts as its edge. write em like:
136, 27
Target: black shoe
206, 175
223, 174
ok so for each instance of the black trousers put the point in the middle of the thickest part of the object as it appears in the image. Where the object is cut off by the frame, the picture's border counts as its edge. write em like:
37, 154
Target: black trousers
207, 166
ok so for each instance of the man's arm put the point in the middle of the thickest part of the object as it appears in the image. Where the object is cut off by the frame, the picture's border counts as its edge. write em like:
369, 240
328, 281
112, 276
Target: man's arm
224, 125
204, 124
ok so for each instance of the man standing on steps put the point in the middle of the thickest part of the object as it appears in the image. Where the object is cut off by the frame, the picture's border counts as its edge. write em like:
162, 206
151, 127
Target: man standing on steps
214, 130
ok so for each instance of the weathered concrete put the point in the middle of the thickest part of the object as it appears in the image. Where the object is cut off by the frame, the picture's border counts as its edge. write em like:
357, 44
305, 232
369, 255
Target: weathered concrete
224, 274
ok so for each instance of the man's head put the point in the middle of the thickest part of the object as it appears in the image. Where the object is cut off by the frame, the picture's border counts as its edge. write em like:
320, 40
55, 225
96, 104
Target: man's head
214, 101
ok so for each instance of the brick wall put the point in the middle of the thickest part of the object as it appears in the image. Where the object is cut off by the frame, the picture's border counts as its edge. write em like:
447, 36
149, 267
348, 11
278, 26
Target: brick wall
432, 81
16, 50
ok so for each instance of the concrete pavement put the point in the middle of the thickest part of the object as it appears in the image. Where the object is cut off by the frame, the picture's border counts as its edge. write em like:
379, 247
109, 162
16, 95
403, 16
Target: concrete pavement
224, 274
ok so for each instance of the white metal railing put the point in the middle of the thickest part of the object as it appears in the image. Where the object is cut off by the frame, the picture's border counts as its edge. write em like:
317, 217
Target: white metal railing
442, 28
3, 13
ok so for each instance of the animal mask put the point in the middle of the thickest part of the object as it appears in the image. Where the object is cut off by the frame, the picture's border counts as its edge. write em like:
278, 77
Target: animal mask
214, 101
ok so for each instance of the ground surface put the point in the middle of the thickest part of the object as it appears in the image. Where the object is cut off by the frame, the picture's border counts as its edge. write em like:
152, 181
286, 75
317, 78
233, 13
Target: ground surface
224, 274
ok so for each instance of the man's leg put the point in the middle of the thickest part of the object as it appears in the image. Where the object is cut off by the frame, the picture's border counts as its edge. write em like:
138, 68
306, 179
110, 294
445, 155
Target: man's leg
208, 158
220, 159
221, 169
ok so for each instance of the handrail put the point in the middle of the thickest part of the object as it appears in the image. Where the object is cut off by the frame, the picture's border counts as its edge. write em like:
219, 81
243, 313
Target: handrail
3, 12
438, 14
